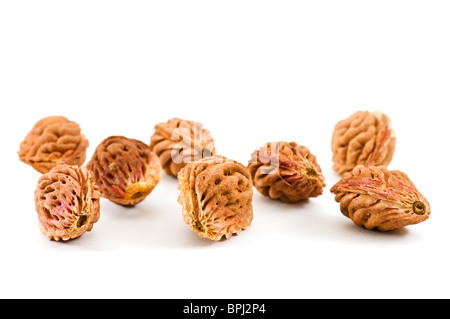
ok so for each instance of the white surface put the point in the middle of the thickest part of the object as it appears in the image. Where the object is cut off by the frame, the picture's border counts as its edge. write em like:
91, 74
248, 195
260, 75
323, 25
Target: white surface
251, 72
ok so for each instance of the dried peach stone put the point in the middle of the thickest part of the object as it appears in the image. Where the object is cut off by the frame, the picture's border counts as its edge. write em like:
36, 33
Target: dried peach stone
67, 202
376, 198
286, 171
125, 170
53, 140
365, 138
216, 196
178, 142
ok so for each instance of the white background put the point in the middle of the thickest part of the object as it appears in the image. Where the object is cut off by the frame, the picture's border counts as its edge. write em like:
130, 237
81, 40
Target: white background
251, 72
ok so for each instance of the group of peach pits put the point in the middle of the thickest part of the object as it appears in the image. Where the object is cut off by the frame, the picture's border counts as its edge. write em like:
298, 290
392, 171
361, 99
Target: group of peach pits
215, 192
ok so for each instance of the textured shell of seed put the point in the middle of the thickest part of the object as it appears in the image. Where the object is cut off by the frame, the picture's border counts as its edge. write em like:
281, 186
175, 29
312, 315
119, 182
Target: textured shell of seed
67, 202
216, 196
376, 198
365, 138
286, 171
125, 170
178, 142
52, 141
